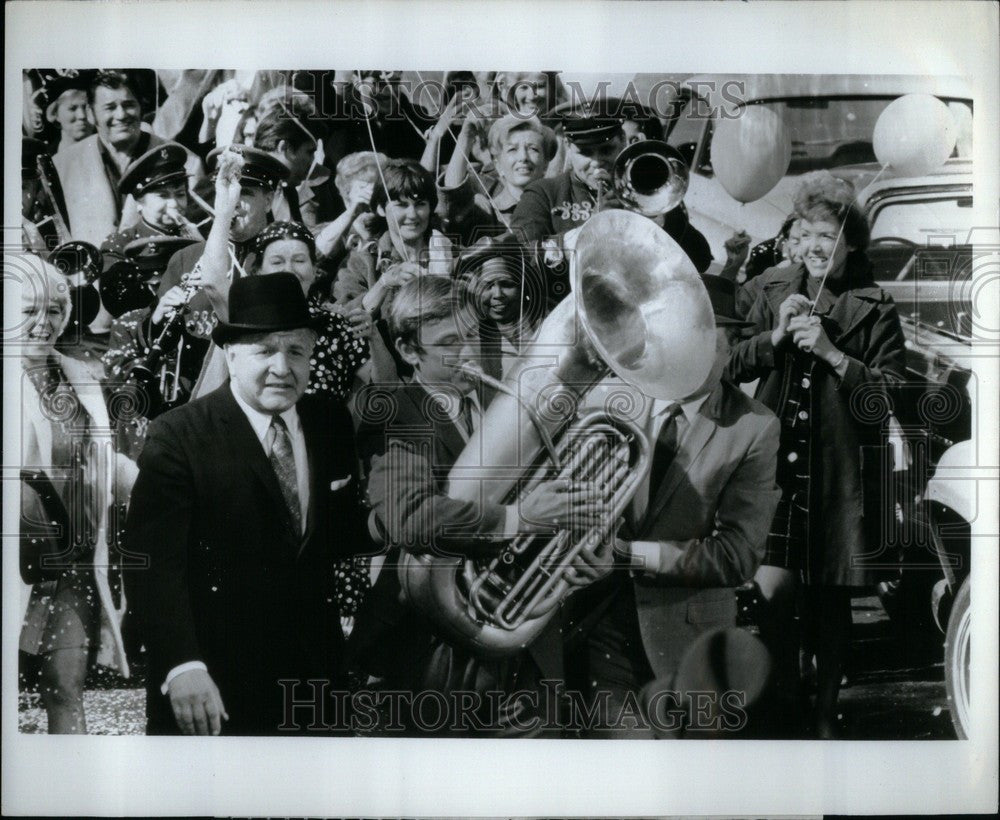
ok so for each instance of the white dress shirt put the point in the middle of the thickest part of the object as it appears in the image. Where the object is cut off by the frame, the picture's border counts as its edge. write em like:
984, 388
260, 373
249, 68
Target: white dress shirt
261, 423
448, 400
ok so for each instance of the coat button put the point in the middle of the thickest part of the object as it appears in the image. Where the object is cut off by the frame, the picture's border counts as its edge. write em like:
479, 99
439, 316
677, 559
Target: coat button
793, 457
803, 415
805, 381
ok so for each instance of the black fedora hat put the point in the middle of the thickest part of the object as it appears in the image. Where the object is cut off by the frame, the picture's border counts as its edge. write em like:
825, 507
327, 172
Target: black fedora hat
265, 304
722, 292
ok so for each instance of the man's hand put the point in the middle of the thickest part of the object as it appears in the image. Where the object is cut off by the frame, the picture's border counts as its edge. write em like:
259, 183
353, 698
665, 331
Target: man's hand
359, 196
794, 305
171, 301
592, 565
197, 704
808, 334
359, 322
227, 183
561, 505
737, 250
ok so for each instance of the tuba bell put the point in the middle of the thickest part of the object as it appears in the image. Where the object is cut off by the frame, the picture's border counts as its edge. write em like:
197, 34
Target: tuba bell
650, 177
637, 309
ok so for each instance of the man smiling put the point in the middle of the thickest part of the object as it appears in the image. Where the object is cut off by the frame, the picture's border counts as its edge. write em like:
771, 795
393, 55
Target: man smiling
91, 169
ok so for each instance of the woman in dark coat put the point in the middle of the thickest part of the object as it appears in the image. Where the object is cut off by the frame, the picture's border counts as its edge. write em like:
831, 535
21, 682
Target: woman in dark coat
828, 350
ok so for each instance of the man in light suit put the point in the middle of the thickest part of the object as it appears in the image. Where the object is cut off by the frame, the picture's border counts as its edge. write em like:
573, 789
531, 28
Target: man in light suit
90, 170
245, 498
695, 532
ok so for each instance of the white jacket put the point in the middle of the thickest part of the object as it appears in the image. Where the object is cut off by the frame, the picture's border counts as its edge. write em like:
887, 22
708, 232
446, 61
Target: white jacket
120, 474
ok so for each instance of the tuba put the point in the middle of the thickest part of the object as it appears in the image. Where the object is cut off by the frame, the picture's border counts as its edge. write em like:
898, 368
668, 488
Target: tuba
637, 309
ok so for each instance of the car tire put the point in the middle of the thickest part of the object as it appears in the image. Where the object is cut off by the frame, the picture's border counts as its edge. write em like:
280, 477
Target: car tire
956, 661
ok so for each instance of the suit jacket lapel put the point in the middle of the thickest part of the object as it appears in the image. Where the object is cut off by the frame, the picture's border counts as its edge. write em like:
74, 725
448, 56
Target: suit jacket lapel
243, 440
698, 435
448, 434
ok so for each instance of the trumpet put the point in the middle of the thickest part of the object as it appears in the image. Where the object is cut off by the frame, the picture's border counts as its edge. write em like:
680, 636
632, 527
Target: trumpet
183, 226
650, 177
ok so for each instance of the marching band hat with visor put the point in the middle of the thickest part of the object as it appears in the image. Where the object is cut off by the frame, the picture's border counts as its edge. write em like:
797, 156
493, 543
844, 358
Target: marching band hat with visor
587, 126
259, 167
152, 253
161, 164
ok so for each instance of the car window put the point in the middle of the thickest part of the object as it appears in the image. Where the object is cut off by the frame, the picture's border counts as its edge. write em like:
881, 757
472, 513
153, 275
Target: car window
686, 127
923, 221
828, 132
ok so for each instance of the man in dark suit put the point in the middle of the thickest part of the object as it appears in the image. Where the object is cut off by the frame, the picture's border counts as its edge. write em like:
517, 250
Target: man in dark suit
695, 531
244, 499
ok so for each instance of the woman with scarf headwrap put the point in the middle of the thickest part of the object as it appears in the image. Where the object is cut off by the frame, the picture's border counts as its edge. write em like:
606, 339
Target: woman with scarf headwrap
828, 349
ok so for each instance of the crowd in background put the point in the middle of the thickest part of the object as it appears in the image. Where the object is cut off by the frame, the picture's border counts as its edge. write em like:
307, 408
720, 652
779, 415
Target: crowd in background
355, 187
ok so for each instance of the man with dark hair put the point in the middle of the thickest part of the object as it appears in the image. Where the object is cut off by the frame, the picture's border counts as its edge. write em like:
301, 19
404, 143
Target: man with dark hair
90, 170
290, 133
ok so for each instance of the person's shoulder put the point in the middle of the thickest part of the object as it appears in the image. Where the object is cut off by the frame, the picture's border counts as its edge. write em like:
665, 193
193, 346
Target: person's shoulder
550, 185
778, 275
192, 415
332, 412
181, 262
381, 405
874, 293
192, 252
739, 406
85, 146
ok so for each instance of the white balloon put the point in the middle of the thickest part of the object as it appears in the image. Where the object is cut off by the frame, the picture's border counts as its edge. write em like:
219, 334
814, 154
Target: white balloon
750, 154
914, 135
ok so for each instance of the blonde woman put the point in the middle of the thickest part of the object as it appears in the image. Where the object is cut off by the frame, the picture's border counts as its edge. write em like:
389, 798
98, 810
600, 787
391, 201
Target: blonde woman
71, 614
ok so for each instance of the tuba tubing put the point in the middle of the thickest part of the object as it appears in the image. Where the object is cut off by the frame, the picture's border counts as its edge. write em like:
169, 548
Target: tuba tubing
637, 308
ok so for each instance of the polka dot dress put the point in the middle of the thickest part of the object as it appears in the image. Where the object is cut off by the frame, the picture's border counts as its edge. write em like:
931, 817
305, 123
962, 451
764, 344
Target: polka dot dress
336, 358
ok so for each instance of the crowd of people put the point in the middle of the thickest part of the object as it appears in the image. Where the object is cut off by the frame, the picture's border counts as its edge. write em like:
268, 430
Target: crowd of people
248, 330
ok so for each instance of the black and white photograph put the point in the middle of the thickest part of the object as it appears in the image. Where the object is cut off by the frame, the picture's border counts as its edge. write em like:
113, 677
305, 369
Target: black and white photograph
432, 410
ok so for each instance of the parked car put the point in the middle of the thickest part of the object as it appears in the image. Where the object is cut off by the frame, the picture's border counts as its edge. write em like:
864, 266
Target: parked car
923, 254
831, 119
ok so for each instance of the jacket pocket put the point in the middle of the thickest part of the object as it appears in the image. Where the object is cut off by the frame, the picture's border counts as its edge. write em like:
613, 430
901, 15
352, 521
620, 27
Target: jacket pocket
712, 612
